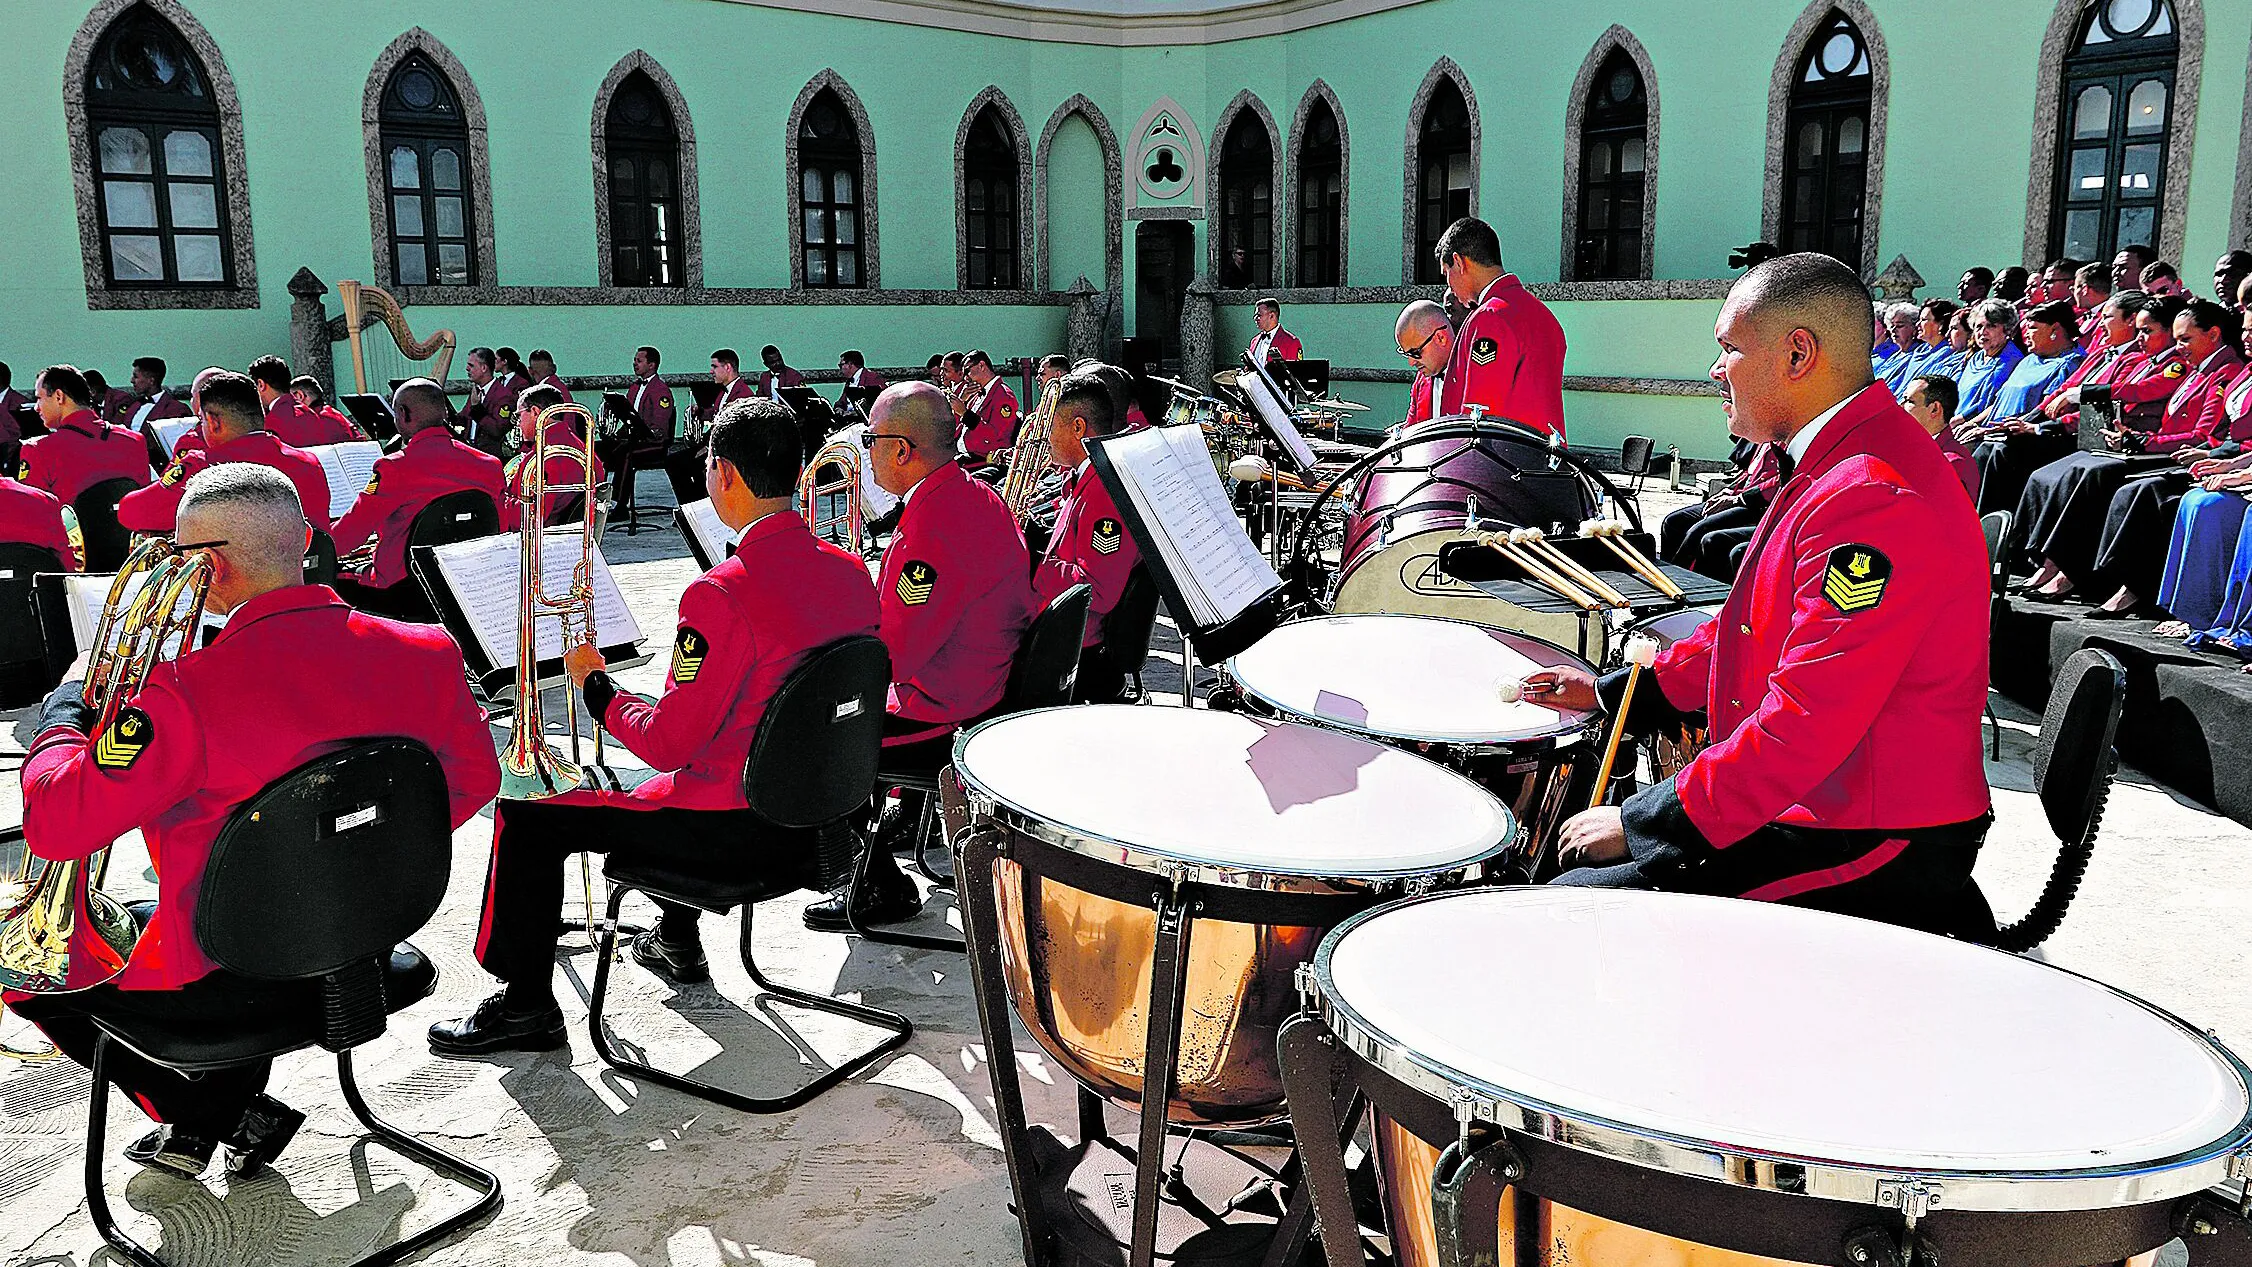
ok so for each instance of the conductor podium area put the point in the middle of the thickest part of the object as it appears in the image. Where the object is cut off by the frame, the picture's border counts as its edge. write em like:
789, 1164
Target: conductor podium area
2187, 722
902, 1163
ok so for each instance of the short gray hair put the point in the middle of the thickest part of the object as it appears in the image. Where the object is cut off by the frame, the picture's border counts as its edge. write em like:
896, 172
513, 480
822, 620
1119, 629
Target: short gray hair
1894, 312
1419, 316
1998, 312
263, 518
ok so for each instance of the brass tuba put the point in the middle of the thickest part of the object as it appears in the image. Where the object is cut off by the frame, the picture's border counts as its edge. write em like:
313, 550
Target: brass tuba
530, 768
1034, 448
58, 930
846, 455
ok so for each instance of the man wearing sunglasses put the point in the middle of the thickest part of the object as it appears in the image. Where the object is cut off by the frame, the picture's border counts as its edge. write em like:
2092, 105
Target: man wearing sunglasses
1427, 341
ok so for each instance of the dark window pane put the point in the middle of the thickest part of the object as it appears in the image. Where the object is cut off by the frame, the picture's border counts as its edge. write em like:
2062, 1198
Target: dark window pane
2086, 182
2091, 113
406, 216
2146, 107
453, 264
2083, 234
406, 168
445, 168
414, 266
448, 217
194, 206
2137, 224
131, 203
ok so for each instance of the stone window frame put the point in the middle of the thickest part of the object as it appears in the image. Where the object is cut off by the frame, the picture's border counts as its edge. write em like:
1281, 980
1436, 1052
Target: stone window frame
1319, 90
1114, 193
233, 157
487, 270
870, 274
1444, 68
1575, 125
1277, 169
684, 173
1779, 87
2240, 207
2181, 129
1013, 123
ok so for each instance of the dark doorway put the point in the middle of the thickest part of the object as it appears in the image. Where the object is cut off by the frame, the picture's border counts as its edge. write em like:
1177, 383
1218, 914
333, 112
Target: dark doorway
1164, 261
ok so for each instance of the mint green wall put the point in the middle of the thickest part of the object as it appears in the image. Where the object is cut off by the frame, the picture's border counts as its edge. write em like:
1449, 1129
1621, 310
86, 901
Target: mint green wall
1075, 203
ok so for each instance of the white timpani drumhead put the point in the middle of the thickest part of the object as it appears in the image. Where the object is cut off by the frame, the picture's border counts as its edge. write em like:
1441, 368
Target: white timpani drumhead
1406, 677
1780, 1030
1234, 791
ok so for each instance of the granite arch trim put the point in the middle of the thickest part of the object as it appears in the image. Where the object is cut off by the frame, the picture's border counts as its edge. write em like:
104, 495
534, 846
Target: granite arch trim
828, 78
1114, 192
418, 40
1021, 141
1320, 91
1244, 100
1575, 122
1443, 69
1778, 113
691, 223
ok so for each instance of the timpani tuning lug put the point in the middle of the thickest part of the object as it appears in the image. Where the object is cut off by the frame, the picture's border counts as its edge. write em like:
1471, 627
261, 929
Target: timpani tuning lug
1914, 1198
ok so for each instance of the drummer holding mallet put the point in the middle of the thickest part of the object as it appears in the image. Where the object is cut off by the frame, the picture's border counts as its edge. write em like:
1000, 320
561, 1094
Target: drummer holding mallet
1845, 678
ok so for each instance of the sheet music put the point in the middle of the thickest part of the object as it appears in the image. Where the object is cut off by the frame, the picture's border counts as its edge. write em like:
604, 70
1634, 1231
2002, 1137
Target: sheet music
86, 594
712, 536
483, 577
1274, 416
169, 430
1166, 472
348, 467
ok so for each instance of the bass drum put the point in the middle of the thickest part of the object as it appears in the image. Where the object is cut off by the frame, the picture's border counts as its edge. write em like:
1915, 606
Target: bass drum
1402, 577
1500, 474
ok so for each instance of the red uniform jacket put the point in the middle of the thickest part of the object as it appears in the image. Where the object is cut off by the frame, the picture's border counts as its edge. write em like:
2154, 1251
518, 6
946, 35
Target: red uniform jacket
565, 454
11, 430
769, 382
1423, 395
301, 428
1960, 458
118, 405
2099, 367
995, 428
156, 408
1509, 358
956, 597
210, 731
1283, 347
740, 389
34, 516
2143, 387
1761, 476
1845, 677
492, 411
651, 402
2194, 416
428, 466
340, 424
1089, 544
81, 452
744, 626
556, 381
155, 508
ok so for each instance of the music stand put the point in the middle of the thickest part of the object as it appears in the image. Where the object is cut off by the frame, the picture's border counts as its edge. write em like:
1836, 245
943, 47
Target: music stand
1311, 375
28, 422
862, 399
707, 394
373, 414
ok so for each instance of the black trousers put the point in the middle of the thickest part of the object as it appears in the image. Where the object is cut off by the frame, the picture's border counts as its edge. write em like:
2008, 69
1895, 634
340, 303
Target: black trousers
2005, 463
2140, 522
1721, 552
1691, 547
920, 754
525, 884
1675, 526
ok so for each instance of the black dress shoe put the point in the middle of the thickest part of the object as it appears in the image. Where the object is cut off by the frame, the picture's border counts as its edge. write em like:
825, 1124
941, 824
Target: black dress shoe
890, 899
172, 1151
267, 1127
492, 1028
681, 965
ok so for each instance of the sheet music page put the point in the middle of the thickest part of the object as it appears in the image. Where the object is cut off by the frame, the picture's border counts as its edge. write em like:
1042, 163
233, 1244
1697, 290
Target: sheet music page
347, 466
169, 430
1275, 419
87, 594
711, 532
1168, 475
483, 577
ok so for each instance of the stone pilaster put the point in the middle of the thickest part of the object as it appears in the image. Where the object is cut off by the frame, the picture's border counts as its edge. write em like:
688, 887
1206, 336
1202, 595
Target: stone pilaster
1197, 333
310, 349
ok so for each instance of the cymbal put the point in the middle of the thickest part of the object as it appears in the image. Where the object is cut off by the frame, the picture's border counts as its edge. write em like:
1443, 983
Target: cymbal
1226, 378
1333, 405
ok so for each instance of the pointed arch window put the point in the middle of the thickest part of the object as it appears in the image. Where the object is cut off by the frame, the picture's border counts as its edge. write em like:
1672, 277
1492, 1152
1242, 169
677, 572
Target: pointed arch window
1826, 143
1247, 203
160, 188
425, 140
1614, 146
2117, 104
829, 193
1321, 199
642, 146
989, 203
1442, 156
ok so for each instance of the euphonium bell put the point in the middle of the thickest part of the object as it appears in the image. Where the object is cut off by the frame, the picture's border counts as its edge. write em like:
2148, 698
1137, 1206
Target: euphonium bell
1029, 460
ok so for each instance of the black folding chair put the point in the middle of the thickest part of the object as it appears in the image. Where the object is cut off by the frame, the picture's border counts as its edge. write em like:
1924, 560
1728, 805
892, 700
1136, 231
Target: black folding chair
1634, 458
1045, 670
809, 769
320, 878
463, 516
2072, 773
24, 672
106, 541
320, 559
1995, 526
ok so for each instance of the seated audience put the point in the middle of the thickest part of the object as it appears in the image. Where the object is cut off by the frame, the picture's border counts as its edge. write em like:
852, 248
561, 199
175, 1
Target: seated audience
2160, 277
1976, 283
1931, 402
2011, 445
1993, 355
2127, 267
1928, 326
79, 449
2229, 273
431, 464
2010, 284
1886, 344
2091, 287
234, 429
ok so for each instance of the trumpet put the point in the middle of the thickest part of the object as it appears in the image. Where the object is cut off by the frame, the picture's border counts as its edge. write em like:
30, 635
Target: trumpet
1030, 459
58, 930
845, 454
530, 768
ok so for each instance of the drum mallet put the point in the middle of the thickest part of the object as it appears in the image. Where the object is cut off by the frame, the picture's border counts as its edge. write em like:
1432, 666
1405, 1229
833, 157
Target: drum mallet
1641, 653
1500, 543
1608, 531
1538, 542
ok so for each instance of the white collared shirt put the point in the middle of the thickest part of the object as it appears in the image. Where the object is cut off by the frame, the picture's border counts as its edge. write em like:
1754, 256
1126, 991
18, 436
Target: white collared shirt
1259, 345
141, 415
1804, 439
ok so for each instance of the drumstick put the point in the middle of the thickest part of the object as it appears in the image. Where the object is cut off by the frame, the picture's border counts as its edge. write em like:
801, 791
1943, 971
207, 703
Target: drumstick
1499, 542
1608, 531
1641, 653
1538, 541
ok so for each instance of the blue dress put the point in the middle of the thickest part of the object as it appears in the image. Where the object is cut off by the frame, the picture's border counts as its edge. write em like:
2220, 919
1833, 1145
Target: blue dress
2231, 628
2031, 381
2208, 530
1983, 377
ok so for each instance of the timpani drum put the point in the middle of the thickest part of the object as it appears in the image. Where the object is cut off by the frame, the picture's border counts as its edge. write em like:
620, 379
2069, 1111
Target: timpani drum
1600, 1077
1435, 686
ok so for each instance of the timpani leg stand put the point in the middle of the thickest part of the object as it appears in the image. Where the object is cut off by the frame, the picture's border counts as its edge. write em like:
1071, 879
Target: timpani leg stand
1324, 1107
976, 853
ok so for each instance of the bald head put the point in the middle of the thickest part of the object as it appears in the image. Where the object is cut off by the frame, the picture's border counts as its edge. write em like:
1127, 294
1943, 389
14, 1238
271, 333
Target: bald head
1794, 340
254, 510
417, 404
918, 411
1419, 318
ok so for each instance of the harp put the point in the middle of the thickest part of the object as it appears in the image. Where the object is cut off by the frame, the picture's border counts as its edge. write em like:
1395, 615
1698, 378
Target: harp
381, 361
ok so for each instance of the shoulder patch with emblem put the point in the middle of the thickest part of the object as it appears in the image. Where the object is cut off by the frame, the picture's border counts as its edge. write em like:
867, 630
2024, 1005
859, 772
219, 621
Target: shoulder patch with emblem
665, 401
688, 655
1856, 578
173, 473
1106, 535
2176, 370
375, 477
1482, 350
1008, 411
916, 581
124, 740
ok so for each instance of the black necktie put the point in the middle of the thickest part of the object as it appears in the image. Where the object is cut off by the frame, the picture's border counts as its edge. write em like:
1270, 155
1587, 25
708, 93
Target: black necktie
1784, 465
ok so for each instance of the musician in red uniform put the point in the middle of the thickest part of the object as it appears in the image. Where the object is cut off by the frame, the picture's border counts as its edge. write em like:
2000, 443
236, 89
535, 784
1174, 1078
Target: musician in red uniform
34, 517
430, 465
1509, 353
10, 401
650, 400
777, 375
79, 449
235, 431
1427, 341
956, 601
338, 429
1089, 543
994, 429
153, 402
566, 454
206, 734
491, 407
727, 372
853, 364
540, 366
1272, 343
1845, 677
288, 421
111, 403
744, 627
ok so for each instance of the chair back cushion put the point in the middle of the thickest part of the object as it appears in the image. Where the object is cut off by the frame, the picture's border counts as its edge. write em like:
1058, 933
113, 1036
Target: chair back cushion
1047, 664
107, 541
320, 559
334, 863
2073, 764
21, 638
814, 757
1634, 455
462, 516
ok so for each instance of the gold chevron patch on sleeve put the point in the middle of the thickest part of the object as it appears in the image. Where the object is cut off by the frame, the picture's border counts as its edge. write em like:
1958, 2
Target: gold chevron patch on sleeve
1482, 352
916, 582
123, 742
1856, 578
1106, 536
688, 655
